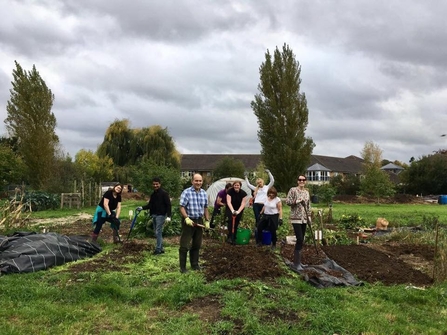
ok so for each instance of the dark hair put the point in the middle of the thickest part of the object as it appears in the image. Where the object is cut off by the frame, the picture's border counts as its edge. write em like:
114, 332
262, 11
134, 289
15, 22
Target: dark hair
117, 184
228, 185
272, 190
156, 180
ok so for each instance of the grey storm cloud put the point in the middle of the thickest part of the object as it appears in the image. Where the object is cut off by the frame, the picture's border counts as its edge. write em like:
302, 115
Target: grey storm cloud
371, 71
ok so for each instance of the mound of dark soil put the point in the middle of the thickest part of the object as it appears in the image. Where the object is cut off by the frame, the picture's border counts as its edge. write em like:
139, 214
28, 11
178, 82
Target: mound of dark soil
390, 263
224, 261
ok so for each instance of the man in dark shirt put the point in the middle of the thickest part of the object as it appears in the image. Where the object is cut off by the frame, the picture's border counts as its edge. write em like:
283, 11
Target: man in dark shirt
159, 206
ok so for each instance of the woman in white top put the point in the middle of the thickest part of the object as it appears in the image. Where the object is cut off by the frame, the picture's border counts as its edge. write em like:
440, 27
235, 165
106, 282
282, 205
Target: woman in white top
260, 193
271, 215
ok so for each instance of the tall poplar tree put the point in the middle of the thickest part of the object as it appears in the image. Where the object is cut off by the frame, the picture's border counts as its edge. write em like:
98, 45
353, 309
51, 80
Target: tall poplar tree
281, 109
30, 120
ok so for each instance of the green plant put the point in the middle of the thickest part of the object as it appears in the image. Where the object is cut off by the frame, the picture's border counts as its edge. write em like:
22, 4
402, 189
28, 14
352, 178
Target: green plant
430, 221
144, 228
335, 237
37, 201
351, 221
326, 193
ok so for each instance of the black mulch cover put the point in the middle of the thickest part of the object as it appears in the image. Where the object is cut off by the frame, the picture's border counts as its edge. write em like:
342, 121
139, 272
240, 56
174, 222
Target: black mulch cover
29, 252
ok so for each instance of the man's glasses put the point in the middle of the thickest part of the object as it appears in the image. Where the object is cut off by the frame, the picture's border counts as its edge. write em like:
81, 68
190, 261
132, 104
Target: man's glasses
301, 179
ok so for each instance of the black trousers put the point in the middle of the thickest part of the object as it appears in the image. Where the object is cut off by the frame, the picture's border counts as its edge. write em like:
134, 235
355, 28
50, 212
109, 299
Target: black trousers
300, 232
269, 223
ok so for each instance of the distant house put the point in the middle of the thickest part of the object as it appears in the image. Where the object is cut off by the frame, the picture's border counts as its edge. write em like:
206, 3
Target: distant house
320, 170
393, 171
390, 167
323, 168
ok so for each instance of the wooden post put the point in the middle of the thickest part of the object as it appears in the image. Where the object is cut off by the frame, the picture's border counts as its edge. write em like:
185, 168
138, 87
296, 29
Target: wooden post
82, 193
435, 263
90, 194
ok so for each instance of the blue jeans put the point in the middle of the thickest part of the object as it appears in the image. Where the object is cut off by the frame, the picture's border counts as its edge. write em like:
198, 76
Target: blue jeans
157, 222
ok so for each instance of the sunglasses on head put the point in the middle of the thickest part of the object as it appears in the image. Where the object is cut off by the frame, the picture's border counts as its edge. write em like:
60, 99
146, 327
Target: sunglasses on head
301, 179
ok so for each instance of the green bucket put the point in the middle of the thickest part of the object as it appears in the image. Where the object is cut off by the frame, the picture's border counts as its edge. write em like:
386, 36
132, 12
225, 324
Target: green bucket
243, 236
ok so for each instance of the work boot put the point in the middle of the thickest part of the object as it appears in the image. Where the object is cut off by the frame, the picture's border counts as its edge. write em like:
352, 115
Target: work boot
194, 259
94, 237
297, 261
182, 260
116, 238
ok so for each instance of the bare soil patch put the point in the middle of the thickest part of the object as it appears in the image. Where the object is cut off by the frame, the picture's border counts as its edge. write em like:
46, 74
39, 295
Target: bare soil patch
389, 263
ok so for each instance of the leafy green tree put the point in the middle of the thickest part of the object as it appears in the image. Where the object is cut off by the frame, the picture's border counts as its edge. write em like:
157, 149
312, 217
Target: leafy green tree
326, 193
64, 174
348, 185
30, 120
12, 167
375, 182
428, 175
143, 173
93, 167
282, 115
127, 146
229, 167
155, 144
117, 143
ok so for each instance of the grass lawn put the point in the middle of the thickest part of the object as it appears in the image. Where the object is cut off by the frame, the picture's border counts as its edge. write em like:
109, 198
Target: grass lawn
150, 296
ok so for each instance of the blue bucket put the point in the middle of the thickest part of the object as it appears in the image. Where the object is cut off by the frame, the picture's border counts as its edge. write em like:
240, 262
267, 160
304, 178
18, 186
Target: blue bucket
266, 237
442, 200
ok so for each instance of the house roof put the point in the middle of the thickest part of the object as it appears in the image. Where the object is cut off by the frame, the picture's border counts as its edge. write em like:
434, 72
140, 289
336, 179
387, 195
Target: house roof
350, 164
208, 162
317, 167
391, 166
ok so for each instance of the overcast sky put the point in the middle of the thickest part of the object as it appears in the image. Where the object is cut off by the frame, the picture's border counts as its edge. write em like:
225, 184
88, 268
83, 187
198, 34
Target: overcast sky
371, 70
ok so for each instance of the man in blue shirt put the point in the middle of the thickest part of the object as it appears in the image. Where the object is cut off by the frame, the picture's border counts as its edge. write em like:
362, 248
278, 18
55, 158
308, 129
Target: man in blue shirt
194, 209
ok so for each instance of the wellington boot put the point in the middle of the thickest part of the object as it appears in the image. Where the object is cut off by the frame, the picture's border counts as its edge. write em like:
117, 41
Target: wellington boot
182, 261
194, 259
297, 261
94, 237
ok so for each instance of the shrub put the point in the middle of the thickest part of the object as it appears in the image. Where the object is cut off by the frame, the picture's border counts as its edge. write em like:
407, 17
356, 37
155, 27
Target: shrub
351, 221
38, 201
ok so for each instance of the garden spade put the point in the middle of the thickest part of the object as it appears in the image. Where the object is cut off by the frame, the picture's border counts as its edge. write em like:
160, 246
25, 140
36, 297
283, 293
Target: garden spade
202, 226
232, 230
303, 203
133, 222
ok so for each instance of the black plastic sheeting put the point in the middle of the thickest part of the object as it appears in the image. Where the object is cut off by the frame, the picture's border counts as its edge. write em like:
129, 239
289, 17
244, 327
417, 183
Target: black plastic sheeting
321, 276
25, 252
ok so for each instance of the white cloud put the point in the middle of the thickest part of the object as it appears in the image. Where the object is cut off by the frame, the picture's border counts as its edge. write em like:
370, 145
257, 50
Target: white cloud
370, 70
